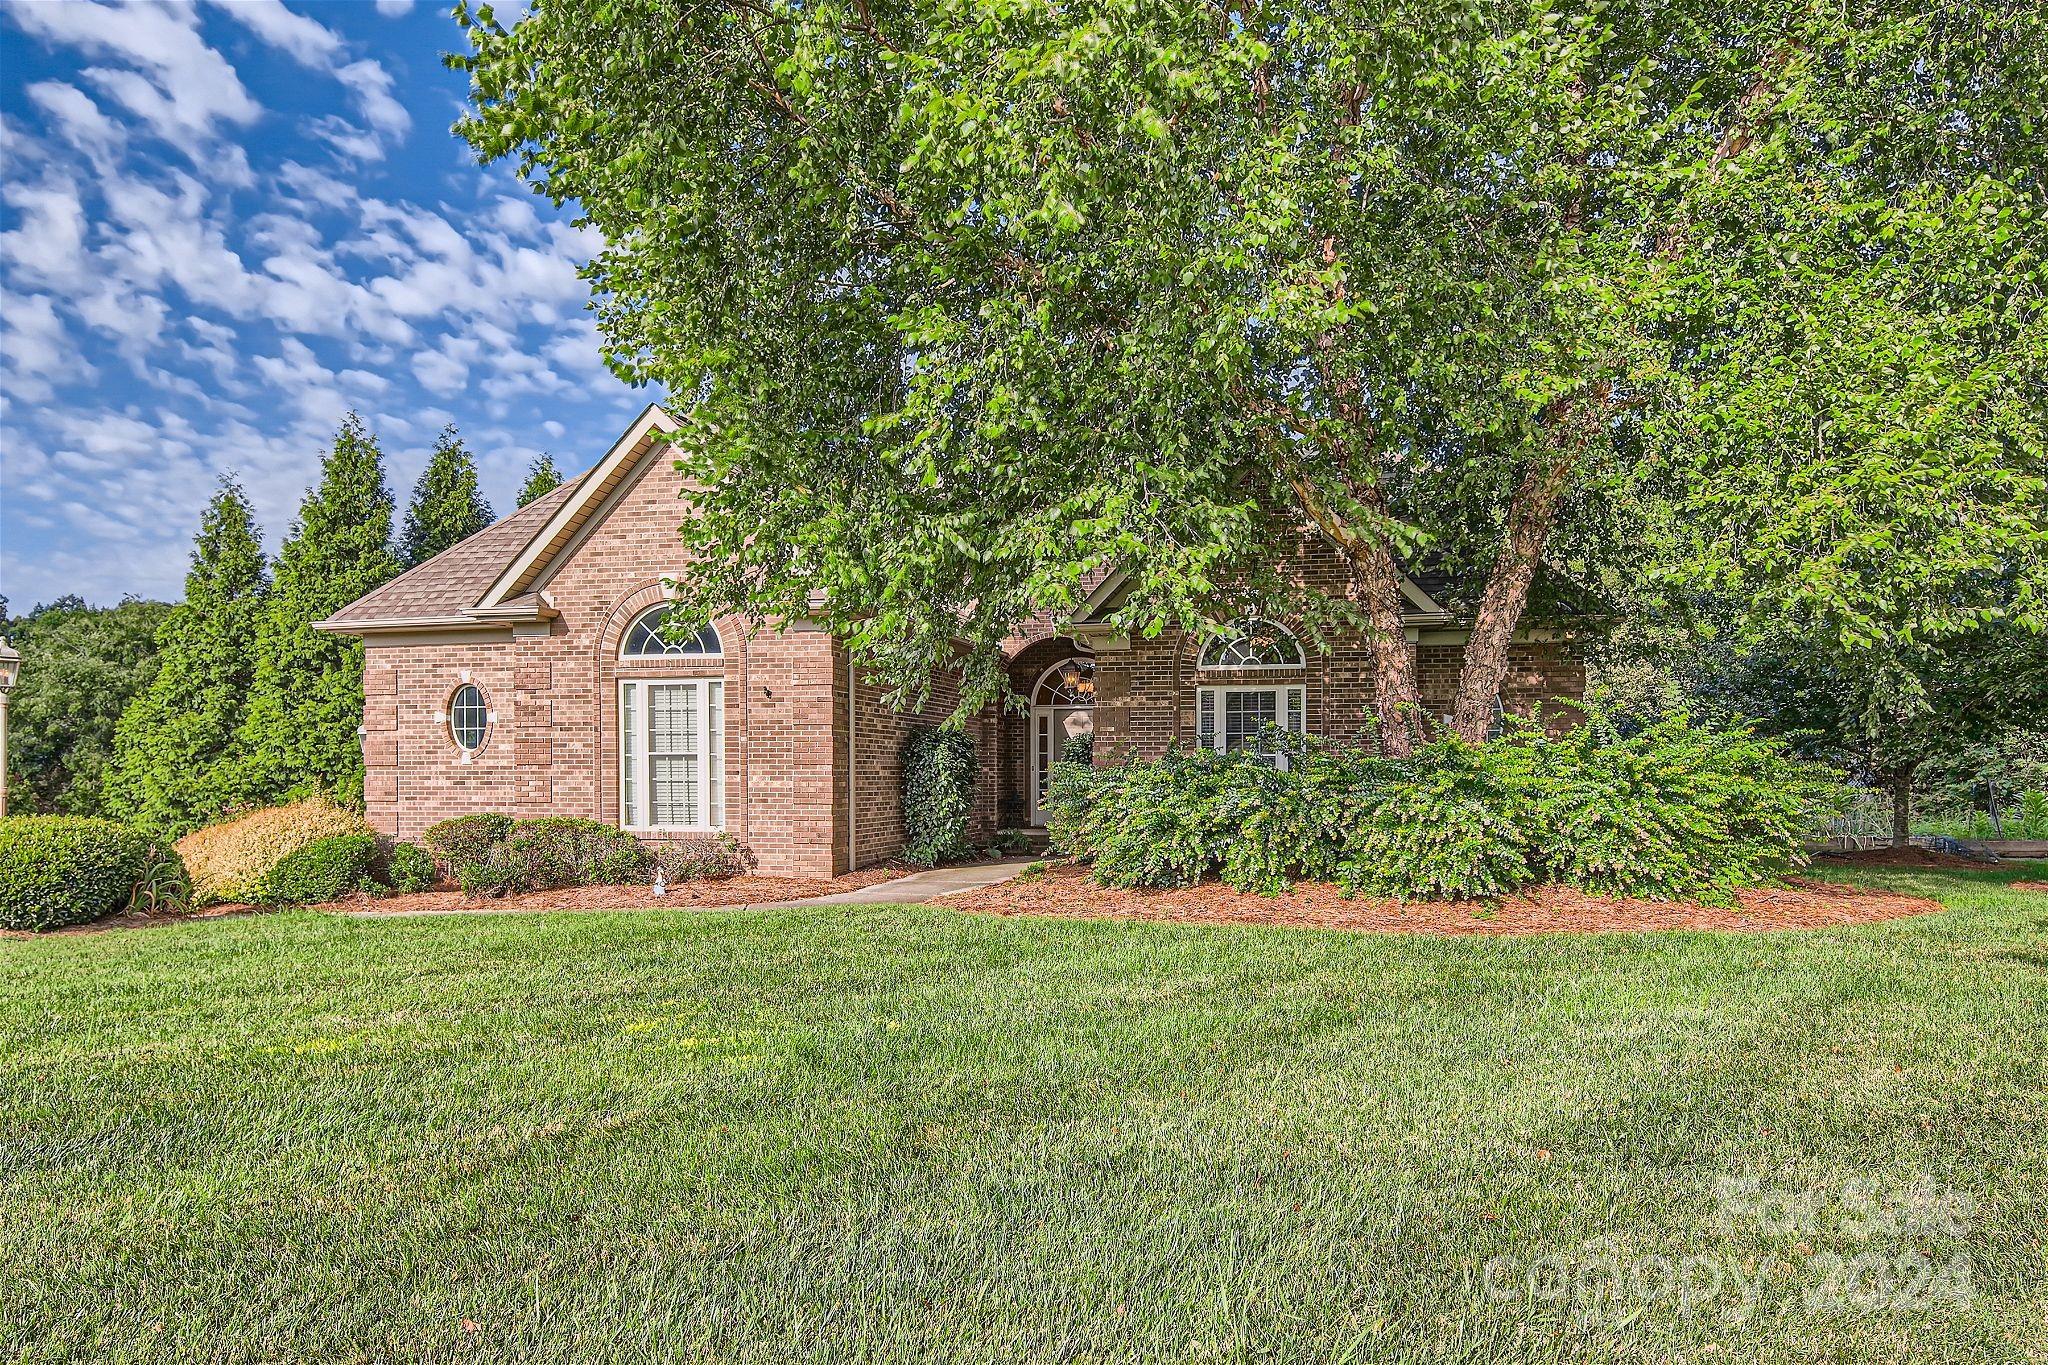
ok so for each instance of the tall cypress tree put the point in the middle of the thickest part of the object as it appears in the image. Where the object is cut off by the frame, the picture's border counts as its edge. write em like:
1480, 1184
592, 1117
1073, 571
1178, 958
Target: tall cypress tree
175, 739
447, 505
299, 738
542, 478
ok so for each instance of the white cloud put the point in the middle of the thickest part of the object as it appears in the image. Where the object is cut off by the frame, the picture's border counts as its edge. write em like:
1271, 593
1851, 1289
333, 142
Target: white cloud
394, 9
33, 344
183, 89
48, 247
318, 48
81, 121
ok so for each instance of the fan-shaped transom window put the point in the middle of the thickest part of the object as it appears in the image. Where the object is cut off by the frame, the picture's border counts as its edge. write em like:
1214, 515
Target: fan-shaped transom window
1252, 644
1067, 684
647, 638
468, 718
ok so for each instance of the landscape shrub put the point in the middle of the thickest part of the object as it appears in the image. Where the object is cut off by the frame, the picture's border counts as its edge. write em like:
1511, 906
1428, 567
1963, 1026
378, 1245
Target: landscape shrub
498, 871
560, 850
231, 860
466, 838
939, 768
163, 886
324, 870
1672, 810
1079, 749
58, 870
411, 869
710, 857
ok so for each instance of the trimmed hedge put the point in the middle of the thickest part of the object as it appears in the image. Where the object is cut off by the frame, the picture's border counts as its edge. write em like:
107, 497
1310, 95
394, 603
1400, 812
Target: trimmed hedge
233, 860
561, 850
58, 870
939, 768
411, 868
1674, 810
466, 838
324, 870
706, 857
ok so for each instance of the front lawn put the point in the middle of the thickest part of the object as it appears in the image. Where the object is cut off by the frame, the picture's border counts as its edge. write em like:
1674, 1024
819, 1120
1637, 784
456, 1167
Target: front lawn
881, 1134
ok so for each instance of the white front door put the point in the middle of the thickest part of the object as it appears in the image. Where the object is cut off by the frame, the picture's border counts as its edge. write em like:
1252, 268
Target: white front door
1051, 728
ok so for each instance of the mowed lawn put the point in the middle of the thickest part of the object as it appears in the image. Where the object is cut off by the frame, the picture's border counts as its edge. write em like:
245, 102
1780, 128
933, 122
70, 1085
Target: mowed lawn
871, 1134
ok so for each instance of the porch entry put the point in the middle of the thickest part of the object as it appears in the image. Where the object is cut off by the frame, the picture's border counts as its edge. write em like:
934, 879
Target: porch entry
1062, 706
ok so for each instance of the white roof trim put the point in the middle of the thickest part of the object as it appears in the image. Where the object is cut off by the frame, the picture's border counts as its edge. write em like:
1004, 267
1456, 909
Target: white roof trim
1426, 609
647, 429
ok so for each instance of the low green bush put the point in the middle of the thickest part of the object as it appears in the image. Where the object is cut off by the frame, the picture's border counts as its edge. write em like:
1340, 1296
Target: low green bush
560, 850
324, 870
466, 838
499, 871
708, 857
1673, 810
58, 870
939, 768
411, 868
233, 860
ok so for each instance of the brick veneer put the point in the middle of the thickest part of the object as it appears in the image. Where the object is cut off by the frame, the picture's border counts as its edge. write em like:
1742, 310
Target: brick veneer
813, 762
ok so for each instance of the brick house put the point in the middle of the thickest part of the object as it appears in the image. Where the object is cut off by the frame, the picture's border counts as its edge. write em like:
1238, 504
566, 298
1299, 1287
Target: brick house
524, 671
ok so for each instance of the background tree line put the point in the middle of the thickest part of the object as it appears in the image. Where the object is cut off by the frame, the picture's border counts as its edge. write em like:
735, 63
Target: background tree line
170, 716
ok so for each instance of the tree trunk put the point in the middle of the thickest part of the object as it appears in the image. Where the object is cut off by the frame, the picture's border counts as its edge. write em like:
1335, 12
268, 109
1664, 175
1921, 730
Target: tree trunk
1902, 805
1397, 699
1568, 428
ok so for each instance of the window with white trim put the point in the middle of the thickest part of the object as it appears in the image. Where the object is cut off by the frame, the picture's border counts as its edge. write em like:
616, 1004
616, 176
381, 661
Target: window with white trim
469, 718
672, 754
649, 637
1252, 644
1232, 718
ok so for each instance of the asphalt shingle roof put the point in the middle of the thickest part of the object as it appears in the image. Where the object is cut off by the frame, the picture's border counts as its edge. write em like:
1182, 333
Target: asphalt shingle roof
457, 578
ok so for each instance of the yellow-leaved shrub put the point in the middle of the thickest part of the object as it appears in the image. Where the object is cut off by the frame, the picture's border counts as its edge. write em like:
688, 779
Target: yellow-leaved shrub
231, 860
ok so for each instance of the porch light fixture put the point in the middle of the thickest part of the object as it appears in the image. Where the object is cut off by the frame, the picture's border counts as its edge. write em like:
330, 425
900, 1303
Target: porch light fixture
10, 669
1077, 681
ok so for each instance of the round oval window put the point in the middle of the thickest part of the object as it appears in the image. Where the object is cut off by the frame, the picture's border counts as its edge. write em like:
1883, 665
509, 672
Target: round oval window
467, 716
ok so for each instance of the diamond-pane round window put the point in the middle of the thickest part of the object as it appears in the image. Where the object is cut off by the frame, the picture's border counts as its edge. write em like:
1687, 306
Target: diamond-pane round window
647, 638
468, 717
1252, 644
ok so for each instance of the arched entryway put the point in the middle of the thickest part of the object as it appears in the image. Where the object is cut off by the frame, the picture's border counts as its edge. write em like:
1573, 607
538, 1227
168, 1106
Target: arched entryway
1062, 706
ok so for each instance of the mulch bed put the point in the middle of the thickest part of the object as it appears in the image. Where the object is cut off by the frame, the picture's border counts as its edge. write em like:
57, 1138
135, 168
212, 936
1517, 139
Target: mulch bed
1912, 856
1067, 890
2042, 887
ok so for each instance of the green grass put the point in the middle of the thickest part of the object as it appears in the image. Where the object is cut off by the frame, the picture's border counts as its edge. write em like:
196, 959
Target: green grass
860, 1133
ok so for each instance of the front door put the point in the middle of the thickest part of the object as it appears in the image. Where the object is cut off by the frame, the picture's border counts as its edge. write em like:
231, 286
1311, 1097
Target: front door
1062, 706
1051, 728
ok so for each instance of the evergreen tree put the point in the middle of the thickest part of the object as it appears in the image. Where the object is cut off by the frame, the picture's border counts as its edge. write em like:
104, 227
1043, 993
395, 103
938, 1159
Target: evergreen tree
176, 739
299, 738
542, 478
447, 504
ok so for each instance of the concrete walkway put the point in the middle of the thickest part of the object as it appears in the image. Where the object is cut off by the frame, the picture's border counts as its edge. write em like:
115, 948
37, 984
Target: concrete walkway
917, 888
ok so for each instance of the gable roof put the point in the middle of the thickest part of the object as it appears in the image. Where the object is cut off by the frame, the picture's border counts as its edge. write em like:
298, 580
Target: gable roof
1423, 609
442, 590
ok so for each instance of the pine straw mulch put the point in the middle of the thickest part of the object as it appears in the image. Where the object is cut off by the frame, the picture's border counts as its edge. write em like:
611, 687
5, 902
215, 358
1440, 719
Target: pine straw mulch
1066, 890
2041, 887
1910, 856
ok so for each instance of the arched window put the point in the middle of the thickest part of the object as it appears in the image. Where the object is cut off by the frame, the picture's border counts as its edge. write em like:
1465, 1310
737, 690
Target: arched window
646, 638
1071, 683
1252, 644
468, 718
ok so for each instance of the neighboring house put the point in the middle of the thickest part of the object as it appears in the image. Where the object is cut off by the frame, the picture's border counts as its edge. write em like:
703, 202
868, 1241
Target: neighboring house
524, 671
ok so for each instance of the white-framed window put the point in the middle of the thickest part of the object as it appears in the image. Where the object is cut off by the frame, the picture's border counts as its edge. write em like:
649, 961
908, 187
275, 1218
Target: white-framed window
469, 719
1232, 718
1252, 644
672, 754
648, 638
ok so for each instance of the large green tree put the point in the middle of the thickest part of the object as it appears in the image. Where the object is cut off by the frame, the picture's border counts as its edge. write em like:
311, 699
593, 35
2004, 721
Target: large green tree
972, 301
447, 502
80, 665
306, 702
542, 478
174, 749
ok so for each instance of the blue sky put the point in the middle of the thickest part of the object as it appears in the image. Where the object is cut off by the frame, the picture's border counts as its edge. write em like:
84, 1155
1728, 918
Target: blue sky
222, 226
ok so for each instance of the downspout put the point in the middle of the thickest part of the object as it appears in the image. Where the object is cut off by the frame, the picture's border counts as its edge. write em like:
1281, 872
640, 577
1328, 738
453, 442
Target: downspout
852, 765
